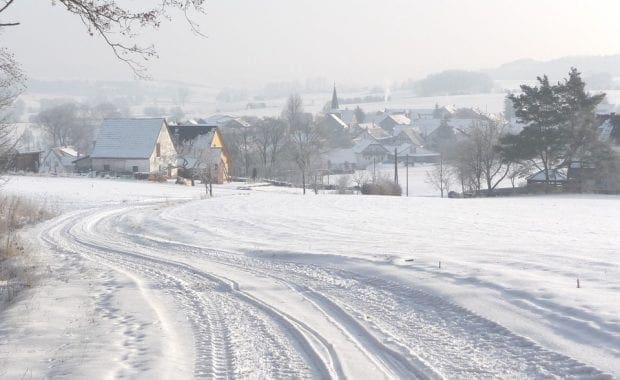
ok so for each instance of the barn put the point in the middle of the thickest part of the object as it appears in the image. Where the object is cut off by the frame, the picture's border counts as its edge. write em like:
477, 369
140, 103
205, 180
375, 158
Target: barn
134, 146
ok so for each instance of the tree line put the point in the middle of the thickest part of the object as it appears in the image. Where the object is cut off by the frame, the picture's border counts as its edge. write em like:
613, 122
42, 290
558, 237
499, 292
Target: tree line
288, 147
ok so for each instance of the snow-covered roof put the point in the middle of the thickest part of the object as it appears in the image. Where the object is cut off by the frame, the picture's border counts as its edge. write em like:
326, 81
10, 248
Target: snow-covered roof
221, 120
421, 113
555, 175
401, 119
67, 151
450, 109
65, 155
127, 138
186, 132
337, 120
364, 144
217, 119
368, 125
426, 126
413, 136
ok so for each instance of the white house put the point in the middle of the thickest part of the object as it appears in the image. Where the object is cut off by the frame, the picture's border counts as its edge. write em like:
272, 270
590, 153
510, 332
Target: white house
58, 160
134, 146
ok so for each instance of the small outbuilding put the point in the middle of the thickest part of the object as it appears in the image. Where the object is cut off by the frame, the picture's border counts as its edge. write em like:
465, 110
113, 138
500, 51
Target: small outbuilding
59, 160
557, 177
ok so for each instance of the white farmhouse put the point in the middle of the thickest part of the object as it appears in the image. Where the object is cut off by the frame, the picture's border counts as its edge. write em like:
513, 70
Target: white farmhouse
134, 146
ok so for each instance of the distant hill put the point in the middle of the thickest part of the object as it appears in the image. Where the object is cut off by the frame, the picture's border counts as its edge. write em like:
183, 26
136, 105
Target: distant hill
527, 69
451, 82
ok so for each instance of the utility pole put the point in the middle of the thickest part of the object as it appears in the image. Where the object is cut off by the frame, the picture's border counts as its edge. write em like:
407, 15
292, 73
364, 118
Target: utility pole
407, 173
395, 166
374, 175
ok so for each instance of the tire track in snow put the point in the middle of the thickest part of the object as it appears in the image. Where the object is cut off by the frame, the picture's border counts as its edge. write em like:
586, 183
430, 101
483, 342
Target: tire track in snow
456, 341
292, 326
399, 327
213, 341
392, 363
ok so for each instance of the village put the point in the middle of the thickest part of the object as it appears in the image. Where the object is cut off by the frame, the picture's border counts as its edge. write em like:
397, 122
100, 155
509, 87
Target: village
341, 149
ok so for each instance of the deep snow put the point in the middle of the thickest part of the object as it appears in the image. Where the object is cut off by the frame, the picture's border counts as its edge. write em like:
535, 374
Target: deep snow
271, 283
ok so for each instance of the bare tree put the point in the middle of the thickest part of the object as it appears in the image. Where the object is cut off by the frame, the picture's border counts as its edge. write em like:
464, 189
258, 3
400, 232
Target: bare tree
476, 157
58, 122
467, 165
74, 124
118, 25
519, 170
198, 160
305, 137
243, 147
270, 134
440, 177
11, 85
360, 177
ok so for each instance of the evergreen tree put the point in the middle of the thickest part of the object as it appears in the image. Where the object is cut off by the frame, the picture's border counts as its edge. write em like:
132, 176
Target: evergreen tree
580, 124
360, 115
559, 123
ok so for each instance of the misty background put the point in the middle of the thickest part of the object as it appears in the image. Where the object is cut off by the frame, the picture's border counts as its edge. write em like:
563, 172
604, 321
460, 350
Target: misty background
353, 42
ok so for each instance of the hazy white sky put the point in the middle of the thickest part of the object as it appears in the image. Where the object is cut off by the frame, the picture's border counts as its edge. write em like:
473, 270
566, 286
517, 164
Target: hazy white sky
358, 41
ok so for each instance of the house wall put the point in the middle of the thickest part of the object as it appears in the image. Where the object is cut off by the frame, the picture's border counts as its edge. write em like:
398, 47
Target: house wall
167, 157
121, 165
218, 173
224, 166
52, 164
84, 165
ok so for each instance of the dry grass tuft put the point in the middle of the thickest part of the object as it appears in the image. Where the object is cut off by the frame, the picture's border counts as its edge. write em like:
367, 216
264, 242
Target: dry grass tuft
16, 262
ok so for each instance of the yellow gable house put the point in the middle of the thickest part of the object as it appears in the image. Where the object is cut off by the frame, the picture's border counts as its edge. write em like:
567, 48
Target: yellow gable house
201, 149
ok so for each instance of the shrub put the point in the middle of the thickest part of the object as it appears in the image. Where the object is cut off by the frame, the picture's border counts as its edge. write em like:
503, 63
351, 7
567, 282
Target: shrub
342, 184
381, 187
158, 178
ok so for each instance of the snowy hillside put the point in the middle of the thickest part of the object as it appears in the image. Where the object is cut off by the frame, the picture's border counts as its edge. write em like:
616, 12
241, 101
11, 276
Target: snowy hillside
149, 280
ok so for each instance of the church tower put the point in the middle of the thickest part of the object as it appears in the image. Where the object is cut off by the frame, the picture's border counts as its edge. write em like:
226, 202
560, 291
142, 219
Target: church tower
335, 106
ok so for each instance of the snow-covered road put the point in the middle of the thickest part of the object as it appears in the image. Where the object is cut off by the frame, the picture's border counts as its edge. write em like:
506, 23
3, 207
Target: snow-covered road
210, 289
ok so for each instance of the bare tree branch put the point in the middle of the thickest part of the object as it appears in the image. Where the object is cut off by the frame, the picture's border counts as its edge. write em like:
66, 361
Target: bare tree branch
117, 25
6, 5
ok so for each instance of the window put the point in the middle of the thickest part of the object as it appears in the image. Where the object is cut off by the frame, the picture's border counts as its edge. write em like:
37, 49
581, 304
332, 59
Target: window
158, 150
106, 168
134, 169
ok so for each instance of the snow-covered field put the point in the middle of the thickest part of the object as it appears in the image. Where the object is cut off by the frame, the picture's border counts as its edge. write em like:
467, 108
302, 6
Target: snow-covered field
150, 280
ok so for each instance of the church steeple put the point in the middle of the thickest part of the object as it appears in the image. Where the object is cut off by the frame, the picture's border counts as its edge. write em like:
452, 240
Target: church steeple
335, 99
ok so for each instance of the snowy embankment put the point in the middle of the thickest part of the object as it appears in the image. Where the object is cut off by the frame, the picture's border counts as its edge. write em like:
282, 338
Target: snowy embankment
273, 284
